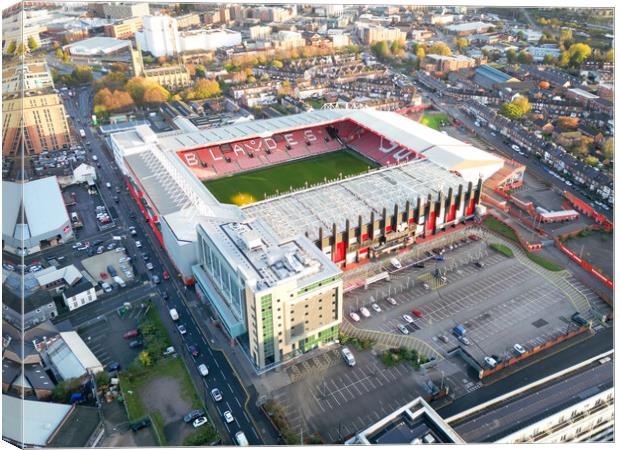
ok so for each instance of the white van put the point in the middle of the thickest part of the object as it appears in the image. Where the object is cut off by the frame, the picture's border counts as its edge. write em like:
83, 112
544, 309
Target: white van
348, 356
241, 439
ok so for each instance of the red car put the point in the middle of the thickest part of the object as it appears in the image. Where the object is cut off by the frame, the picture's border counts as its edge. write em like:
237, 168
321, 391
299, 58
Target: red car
417, 313
131, 334
103, 275
473, 237
166, 275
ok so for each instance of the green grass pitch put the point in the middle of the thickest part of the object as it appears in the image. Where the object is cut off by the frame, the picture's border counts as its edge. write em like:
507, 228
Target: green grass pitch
434, 120
250, 187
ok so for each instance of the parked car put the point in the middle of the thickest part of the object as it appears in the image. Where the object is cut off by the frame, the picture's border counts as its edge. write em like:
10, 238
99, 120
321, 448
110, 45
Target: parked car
417, 313
479, 264
376, 307
464, 340
113, 367
354, 317
391, 301
193, 415
407, 318
131, 334
443, 338
364, 311
403, 329
519, 349
135, 426
136, 344
199, 422
490, 361
216, 394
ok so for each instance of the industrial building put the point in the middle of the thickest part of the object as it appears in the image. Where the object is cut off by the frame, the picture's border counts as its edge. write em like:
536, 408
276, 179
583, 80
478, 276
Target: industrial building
98, 46
289, 251
487, 77
34, 216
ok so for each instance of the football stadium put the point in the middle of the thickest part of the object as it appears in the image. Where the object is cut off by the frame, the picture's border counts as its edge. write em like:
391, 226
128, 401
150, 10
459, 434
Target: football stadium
267, 215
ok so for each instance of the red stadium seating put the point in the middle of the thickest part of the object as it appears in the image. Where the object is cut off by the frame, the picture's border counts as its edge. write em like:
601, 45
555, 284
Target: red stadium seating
380, 150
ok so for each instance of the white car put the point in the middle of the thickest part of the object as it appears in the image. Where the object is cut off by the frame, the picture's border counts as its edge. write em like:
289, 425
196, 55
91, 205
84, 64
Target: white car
138, 244
515, 148
490, 361
203, 370
519, 349
376, 307
391, 300
354, 317
403, 329
149, 266
364, 311
407, 318
228, 417
182, 329
199, 422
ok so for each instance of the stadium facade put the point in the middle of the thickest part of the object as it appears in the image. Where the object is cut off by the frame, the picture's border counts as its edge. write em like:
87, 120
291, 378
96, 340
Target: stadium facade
273, 269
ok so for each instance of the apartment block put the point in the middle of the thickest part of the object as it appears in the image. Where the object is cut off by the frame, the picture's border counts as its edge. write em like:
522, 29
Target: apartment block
41, 117
125, 29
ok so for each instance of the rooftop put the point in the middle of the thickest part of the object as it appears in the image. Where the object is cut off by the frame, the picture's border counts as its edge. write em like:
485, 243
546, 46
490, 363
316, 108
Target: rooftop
414, 423
494, 74
97, 45
469, 26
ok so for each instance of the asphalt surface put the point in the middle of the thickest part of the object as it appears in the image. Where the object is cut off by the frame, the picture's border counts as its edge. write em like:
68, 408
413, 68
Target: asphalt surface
589, 348
221, 374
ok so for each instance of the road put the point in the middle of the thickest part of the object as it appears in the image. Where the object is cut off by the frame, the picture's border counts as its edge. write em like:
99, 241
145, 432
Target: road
221, 374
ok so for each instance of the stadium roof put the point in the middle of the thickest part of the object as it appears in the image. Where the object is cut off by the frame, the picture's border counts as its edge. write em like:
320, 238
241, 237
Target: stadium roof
326, 204
43, 207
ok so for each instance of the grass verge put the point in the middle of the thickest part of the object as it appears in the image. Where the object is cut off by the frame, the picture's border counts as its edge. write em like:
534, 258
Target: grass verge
360, 344
504, 250
494, 224
544, 262
395, 356
250, 187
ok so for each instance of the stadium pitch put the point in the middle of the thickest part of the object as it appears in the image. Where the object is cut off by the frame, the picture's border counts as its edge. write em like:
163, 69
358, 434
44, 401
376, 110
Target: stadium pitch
250, 187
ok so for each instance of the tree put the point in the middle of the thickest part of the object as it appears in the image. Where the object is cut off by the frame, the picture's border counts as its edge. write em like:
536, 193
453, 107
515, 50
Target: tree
591, 160
566, 34
59, 54
82, 74
516, 109
32, 43
397, 48
155, 95
145, 359
102, 379
525, 57
420, 54
462, 43
548, 59
277, 64
21, 49
381, 50
511, 56
564, 60
107, 101
10, 49
568, 123
201, 71
609, 55
63, 390
440, 48
544, 85
578, 53
56, 45
202, 89
113, 81
608, 148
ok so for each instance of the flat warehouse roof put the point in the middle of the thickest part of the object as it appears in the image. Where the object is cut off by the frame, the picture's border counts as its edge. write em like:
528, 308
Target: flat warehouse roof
306, 211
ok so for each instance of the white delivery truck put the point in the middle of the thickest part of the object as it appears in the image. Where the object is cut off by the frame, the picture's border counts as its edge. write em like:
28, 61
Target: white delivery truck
118, 280
174, 314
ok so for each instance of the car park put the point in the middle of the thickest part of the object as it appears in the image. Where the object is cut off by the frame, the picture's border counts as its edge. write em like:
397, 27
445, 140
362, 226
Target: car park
364, 311
376, 307
199, 422
354, 317
403, 329
216, 394
228, 417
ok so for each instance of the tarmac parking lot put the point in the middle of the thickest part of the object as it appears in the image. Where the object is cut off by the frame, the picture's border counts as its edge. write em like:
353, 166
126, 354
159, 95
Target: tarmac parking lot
97, 265
500, 304
86, 201
324, 388
104, 336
